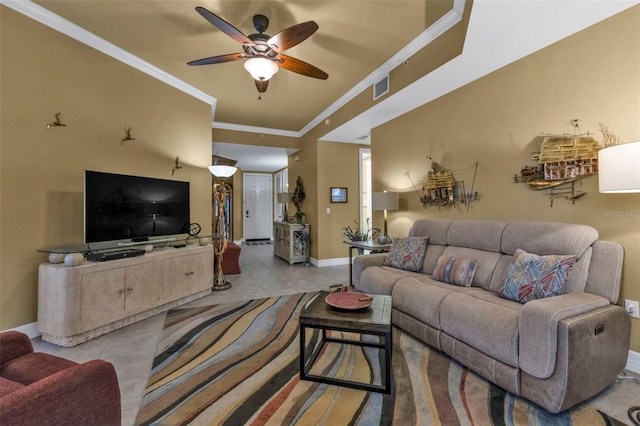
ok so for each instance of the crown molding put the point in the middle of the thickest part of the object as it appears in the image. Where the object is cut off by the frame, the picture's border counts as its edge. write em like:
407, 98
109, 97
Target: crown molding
40, 14
255, 129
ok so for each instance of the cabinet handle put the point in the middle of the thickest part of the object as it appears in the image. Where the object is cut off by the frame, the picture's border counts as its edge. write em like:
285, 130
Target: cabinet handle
189, 273
120, 291
129, 290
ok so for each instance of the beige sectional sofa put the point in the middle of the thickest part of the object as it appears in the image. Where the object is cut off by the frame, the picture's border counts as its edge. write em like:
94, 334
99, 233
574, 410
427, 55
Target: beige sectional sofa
555, 351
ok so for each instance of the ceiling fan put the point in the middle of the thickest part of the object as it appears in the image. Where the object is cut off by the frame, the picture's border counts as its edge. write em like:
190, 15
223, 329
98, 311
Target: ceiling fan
264, 51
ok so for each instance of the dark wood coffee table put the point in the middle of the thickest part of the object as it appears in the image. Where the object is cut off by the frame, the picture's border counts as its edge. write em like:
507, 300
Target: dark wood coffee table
375, 320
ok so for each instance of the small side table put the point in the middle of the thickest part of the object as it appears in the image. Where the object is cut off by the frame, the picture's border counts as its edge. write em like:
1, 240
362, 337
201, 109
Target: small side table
365, 245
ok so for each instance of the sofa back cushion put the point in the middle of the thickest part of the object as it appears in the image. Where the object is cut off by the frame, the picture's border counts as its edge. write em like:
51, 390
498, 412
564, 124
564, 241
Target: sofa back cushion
477, 234
434, 251
435, 229
545, 238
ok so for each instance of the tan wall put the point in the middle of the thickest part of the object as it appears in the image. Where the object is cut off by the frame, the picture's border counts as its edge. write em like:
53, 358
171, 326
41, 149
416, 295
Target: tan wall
339, 165
42, 171
592, 76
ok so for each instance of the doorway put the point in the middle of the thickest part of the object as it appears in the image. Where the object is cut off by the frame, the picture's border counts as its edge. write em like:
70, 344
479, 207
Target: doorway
365, 187
257, 190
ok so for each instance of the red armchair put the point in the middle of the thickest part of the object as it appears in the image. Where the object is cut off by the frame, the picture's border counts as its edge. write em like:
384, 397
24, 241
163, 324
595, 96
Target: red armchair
42, 389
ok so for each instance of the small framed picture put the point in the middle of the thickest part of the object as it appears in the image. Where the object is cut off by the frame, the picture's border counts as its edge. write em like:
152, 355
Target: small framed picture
338, 195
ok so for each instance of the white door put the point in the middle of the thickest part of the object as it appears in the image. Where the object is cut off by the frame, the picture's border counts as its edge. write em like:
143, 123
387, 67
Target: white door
257, 206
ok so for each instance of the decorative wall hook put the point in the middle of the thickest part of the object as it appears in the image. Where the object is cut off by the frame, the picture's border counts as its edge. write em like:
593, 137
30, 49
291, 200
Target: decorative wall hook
177, 166
127, 136
57, 123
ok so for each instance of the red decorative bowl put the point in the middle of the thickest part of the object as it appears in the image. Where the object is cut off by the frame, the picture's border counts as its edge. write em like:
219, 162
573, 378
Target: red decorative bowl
349, 301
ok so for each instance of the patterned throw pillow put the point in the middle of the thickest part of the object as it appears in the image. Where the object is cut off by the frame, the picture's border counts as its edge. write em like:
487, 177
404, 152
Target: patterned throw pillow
533, 277
407, 253
456, 271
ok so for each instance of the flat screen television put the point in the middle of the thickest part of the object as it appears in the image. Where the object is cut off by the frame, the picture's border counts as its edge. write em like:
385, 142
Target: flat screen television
119, 207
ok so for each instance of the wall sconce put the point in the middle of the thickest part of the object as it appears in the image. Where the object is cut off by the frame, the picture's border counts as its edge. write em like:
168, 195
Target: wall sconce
177, 166
384, 201
56, 123
619, 169
127, 135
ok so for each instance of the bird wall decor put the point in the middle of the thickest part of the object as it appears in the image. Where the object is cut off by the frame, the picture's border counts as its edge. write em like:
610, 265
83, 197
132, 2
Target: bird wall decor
127, 137
56, 123
177, 166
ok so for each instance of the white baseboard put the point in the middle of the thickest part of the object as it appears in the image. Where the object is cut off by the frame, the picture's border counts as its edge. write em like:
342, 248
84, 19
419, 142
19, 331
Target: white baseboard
633, 362
333, 262
30, 330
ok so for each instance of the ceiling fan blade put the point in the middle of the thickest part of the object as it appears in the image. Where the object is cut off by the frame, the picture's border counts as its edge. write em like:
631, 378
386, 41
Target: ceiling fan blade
261, 85
218, 59
300, 67
291, 36
224, 26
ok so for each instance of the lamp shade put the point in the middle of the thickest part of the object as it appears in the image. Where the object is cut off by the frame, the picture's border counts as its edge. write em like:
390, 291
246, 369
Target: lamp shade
384, 201
284, 197
619, 168
261, 68
222, 171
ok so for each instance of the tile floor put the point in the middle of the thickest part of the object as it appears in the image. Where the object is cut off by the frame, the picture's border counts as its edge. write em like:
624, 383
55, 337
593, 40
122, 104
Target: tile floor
131, 348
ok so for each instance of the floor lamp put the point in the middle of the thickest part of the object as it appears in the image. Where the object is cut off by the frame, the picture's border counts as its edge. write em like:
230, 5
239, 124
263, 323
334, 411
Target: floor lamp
384, 201
220, 190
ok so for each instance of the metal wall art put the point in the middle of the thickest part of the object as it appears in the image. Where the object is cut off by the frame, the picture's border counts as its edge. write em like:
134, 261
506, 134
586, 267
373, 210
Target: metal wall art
442, 188
561, 161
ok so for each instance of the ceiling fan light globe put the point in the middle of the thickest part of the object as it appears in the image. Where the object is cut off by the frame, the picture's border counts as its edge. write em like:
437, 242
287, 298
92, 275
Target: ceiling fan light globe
260, 68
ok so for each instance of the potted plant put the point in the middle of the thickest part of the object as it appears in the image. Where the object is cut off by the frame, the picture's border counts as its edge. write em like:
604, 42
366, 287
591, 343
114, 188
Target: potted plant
298, 197
357, 234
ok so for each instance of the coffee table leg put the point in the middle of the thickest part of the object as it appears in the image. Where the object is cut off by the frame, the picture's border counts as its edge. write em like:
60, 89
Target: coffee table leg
303, 372
388, 351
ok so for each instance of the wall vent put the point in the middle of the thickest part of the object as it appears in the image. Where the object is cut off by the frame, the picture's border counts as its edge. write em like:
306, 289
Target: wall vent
381, 87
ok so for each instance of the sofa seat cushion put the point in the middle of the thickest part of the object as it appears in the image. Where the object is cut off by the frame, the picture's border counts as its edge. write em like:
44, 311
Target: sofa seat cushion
421, 298
483, 320
381, 279
8, 386
30, 368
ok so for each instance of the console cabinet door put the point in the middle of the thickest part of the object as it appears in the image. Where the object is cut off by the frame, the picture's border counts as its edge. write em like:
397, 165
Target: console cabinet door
142, 288
185, 275
103, 295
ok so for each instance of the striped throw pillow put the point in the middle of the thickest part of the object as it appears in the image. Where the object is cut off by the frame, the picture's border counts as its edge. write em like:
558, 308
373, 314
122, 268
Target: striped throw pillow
456, 271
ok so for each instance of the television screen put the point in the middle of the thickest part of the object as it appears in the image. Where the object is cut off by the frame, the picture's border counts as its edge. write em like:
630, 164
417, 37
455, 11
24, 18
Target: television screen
121, 207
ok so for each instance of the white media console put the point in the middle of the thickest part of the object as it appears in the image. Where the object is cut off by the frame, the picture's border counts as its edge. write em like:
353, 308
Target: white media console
79, 303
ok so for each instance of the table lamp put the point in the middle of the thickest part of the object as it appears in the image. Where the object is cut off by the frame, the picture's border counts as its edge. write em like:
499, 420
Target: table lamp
385, 201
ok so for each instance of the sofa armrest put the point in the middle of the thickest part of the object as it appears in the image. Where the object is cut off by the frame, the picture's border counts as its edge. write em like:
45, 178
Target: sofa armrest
538, 327
84, 394
360, 263
13, 344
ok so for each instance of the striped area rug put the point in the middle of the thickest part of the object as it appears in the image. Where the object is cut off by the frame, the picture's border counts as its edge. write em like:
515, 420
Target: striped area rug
237, 364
